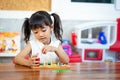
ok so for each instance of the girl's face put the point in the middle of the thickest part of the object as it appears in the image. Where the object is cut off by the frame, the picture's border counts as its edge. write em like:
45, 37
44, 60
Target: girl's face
43, 34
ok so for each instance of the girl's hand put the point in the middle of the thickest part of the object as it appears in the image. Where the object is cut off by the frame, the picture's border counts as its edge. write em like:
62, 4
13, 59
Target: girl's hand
34, 61
47, 48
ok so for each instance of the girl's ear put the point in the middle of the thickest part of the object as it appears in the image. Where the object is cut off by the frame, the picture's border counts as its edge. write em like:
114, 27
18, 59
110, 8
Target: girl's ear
52, 27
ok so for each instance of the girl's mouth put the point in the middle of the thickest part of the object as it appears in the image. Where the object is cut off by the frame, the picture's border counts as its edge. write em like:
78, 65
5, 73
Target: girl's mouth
42, 39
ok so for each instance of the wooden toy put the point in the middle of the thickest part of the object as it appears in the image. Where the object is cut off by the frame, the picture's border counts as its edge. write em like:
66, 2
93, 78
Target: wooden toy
52, 66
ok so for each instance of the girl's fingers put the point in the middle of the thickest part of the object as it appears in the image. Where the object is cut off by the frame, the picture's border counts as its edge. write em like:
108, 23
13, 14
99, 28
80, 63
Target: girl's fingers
43, 50
48, 49
35, 61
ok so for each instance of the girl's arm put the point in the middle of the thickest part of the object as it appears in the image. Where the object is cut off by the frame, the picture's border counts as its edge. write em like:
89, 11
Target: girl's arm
62, 55
59, 51
20, 58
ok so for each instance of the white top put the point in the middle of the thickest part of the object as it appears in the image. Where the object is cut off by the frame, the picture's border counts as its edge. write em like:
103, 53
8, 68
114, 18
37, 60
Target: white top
49, 56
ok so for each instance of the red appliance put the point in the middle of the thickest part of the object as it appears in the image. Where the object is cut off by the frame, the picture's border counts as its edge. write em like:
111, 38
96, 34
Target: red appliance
116, 45
93, 54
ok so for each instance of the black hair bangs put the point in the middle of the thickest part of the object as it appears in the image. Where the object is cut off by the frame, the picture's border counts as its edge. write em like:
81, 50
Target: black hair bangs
39, 21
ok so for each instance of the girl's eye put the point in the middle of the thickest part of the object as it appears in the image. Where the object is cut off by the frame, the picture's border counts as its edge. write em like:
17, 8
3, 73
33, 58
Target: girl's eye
43, 30
35, 32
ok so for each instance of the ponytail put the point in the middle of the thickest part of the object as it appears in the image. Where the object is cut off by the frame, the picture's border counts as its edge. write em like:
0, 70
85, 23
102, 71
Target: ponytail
26, 30
58, 31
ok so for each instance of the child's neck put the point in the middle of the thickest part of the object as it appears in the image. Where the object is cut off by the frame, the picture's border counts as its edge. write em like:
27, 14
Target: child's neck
47, 43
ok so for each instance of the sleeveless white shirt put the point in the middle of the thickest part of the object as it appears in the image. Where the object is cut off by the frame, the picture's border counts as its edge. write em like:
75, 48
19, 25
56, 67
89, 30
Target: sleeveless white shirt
49, 56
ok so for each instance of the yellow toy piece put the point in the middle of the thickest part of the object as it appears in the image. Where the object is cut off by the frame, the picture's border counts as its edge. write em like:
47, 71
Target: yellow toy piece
53, 64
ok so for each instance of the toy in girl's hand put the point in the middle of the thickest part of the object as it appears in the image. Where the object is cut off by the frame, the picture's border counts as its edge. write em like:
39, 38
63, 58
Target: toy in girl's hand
36, 59
66, 46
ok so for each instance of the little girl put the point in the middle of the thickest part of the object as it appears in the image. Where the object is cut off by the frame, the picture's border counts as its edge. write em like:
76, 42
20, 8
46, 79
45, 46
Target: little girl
46, 44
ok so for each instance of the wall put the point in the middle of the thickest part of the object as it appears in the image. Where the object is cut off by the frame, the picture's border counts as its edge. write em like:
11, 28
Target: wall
73, 14
84, 11
20, 9
29, 5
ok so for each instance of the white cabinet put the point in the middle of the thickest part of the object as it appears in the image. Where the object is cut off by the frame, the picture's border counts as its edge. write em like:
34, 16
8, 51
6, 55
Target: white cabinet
87, 38
87, 34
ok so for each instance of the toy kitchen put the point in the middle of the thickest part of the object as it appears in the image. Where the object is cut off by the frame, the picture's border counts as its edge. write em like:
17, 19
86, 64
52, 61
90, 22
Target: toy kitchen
98, 41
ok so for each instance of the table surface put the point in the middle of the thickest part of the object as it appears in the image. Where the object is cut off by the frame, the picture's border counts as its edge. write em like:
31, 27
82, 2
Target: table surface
78, 71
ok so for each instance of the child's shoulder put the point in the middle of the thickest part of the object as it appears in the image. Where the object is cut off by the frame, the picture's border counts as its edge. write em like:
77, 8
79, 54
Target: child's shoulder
35, 42
32, 41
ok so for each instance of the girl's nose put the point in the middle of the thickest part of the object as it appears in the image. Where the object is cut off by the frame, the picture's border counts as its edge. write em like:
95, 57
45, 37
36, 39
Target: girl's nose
40, 33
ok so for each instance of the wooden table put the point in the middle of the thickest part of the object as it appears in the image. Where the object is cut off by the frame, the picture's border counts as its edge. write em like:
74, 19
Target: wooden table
79, 71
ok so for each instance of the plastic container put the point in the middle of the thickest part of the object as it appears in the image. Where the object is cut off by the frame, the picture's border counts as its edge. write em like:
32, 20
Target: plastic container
67, 48
102, 38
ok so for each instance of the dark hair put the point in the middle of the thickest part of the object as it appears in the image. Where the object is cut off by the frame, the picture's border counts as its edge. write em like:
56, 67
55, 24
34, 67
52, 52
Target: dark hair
39, 19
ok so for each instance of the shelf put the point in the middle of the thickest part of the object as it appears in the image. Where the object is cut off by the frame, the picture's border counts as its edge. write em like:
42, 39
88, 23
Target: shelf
8, 54
92, 43
95, 46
